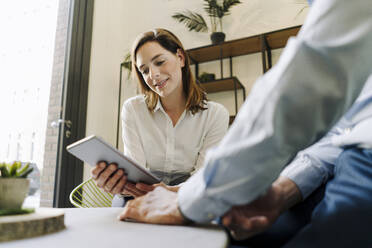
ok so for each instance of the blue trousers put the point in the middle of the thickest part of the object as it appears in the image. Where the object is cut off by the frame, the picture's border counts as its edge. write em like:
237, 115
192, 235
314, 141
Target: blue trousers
336, 215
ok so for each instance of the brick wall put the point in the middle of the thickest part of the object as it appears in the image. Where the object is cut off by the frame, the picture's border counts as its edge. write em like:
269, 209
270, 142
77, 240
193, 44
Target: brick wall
54, 108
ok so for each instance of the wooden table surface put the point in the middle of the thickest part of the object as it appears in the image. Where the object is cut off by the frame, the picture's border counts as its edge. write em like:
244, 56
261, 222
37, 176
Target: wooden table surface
100, 228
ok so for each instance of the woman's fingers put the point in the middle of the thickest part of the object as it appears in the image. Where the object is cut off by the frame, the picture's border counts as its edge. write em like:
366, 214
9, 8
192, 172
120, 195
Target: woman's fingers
98, 169
144, 187
120, 184
113, 180
105, 175
129, 192
133, 190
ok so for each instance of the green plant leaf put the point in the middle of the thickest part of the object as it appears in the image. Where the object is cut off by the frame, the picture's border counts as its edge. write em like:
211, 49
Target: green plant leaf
4, 170
192, 20
25, 173
210, 6
22, 170
227, 4
13, 168
217, 11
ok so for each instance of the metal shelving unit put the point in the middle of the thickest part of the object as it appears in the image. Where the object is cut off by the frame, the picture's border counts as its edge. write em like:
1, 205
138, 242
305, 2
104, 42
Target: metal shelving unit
262, 43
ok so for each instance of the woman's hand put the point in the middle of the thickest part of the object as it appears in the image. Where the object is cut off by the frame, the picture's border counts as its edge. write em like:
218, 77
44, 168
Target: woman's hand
109, 177
140, 189
131, 189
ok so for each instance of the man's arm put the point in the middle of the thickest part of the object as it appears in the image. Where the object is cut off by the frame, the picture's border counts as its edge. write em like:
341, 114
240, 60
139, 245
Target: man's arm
318, 76
314, 166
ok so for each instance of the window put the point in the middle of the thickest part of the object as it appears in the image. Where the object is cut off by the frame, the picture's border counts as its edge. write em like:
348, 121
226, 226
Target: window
26, 59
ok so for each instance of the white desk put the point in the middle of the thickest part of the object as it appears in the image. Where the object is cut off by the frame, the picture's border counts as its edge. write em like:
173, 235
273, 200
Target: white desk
100, 228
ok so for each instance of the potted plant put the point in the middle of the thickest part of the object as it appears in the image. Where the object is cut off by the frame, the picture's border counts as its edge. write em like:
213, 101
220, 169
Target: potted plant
13, 184
216, 10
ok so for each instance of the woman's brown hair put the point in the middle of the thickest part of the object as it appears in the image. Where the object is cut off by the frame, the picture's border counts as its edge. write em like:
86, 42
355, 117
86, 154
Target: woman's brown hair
195, 96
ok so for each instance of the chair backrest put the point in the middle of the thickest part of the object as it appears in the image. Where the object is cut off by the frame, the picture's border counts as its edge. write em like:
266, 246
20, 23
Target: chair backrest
89, 195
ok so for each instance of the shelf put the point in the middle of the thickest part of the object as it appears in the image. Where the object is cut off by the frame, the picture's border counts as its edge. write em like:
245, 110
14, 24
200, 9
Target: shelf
224, 84
244, 46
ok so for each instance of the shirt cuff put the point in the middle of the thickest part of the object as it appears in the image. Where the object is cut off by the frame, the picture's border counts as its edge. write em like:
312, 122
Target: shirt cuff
304, 174
194, 203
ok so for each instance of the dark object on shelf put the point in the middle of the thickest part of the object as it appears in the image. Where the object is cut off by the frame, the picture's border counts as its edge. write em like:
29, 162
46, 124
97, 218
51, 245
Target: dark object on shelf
217, 38
205, 77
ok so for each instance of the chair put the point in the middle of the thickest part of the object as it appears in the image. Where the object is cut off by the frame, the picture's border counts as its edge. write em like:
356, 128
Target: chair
88, 195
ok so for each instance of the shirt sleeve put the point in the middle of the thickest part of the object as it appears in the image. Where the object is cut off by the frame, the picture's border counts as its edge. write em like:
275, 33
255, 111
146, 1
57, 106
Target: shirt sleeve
217, 128
319, 74
360, 136
315, 165
132, 144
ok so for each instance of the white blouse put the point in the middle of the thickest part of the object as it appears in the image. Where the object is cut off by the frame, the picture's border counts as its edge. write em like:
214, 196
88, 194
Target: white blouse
172, 153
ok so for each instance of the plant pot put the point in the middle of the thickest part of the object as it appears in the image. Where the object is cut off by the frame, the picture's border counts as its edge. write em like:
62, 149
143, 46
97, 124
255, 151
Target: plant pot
217, 38
13, 192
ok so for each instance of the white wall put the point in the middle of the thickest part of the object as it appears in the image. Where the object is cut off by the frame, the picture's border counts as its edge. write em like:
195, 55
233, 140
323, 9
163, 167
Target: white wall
117, 23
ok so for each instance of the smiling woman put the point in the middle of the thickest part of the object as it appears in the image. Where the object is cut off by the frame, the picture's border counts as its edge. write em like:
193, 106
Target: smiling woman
161, 46
168, 128
160, 70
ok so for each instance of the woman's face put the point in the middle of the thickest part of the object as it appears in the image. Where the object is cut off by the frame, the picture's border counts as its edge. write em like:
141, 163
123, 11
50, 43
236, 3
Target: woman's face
161, 69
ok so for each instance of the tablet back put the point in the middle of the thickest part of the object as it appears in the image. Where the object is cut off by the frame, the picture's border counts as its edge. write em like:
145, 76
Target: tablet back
93, 149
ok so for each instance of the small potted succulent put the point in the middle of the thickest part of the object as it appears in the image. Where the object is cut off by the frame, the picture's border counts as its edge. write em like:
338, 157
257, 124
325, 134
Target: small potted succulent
216, 10
14, 185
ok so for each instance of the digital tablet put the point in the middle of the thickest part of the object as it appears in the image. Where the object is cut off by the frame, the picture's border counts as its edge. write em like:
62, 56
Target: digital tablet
93, 149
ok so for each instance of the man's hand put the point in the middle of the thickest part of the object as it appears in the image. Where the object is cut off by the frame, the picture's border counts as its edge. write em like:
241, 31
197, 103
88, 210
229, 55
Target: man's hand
248, 220
157, 207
